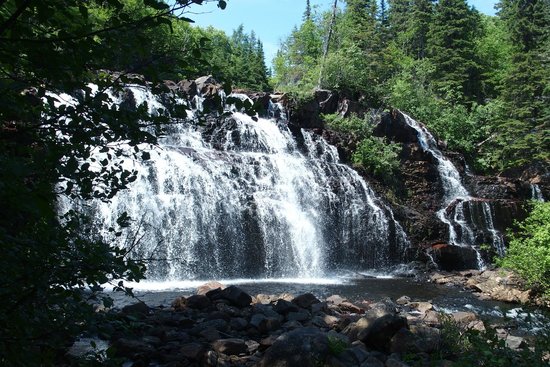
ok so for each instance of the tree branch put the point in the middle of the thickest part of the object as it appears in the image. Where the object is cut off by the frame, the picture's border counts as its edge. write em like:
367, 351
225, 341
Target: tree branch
8, 23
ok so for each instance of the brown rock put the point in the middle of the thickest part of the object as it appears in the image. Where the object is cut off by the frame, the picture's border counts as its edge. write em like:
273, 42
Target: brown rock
206, 287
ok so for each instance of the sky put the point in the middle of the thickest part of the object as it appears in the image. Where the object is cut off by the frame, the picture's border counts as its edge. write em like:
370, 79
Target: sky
272, 20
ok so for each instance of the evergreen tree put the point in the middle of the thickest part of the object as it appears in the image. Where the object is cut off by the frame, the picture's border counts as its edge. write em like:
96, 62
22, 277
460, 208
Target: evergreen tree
524, 133
307, 13
451, 48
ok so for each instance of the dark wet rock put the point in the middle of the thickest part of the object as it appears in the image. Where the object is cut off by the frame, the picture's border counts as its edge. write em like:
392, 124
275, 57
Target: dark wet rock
210, 334
302, 315
194, 351
220, 325
132, 348
283, 307
380, 332
265, 324
236, 296
139, 308
238, 323
231, 346
199, 302
305, 300
449, 257
306, 347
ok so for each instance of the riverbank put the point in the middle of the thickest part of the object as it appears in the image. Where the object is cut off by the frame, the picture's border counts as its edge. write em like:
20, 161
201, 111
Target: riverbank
225, 326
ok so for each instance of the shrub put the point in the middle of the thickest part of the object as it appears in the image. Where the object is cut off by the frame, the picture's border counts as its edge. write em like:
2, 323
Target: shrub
375, 154
529, 250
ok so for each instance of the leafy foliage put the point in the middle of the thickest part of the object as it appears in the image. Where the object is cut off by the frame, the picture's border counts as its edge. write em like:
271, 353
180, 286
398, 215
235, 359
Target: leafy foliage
61, 136
481, 83
376, 155
469, 347
529, 250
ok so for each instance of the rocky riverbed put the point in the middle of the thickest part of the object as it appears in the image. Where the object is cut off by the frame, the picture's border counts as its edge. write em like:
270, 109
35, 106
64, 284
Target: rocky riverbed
225, 326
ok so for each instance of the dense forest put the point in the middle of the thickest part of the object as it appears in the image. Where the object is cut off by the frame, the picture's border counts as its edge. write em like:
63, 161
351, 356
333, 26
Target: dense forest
481, 83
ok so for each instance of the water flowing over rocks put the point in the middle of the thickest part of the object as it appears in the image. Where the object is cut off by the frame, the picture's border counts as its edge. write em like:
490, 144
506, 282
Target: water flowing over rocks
455, 219
232, 195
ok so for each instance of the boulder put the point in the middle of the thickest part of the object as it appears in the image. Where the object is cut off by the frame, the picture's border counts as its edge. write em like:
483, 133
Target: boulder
283, 307
354, 328
207, 287
188, 88
305, 347
305, 300
236, 296
139, 308
380, 332
198, 302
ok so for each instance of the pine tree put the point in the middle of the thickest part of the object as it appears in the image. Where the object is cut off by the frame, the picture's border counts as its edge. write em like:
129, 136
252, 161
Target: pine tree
451, 48
307, 13
524, 134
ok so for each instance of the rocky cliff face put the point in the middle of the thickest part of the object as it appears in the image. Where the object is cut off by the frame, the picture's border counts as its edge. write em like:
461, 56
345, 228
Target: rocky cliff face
418, 193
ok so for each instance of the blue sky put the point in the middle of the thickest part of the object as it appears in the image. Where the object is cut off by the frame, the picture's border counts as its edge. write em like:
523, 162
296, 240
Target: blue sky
272, 20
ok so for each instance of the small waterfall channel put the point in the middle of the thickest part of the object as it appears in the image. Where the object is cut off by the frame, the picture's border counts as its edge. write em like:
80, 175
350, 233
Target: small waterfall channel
459, 210
246, 198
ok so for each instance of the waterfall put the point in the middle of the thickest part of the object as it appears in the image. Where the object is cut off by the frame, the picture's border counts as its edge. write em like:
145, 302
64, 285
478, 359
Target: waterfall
461, 229
244, 197
536, 193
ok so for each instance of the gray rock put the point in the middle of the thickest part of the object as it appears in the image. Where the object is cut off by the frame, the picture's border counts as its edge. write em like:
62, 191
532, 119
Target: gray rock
515, 342
252, 346
428, 339
403, 300
464, 318
230, 346
306, 347
298, 316
336, 299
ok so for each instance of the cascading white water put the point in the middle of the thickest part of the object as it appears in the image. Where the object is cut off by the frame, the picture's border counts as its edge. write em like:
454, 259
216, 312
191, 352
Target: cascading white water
536, 193
244, 198
455, 194
498, 241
